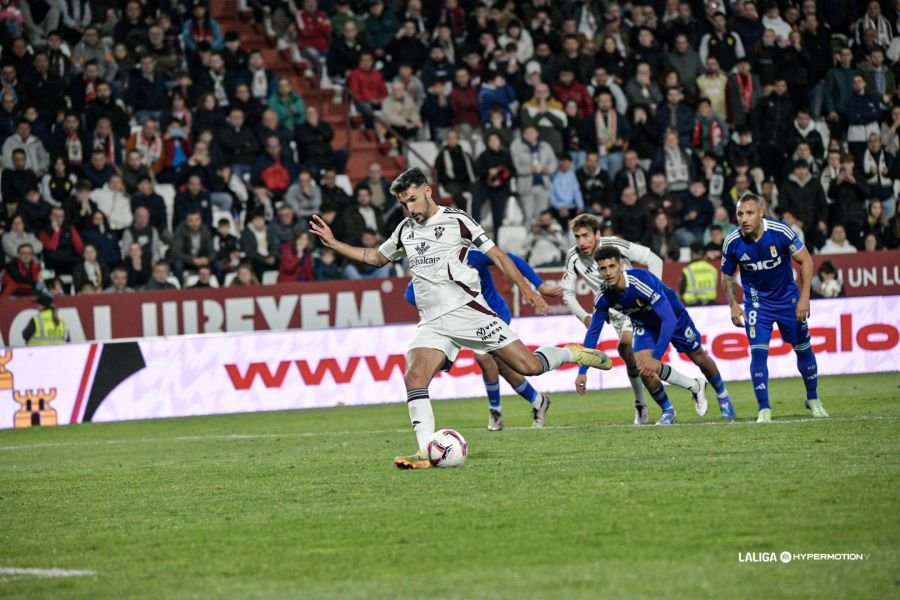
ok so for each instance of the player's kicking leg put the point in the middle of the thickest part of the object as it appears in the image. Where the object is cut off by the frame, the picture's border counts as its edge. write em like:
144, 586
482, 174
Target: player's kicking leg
540, 403
421, 366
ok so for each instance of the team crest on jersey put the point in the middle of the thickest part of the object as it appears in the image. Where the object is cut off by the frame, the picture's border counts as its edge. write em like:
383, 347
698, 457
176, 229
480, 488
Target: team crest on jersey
773, 251
422, 248
438, 232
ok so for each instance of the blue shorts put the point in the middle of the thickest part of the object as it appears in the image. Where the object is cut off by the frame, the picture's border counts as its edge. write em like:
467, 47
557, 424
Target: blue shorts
759, 322
685, 338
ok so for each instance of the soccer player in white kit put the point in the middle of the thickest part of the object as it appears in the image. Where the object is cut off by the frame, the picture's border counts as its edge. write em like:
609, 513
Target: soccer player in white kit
452, 312
580, 263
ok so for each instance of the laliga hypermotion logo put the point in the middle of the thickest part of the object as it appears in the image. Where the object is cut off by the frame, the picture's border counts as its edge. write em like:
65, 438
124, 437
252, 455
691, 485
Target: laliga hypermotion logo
34, 405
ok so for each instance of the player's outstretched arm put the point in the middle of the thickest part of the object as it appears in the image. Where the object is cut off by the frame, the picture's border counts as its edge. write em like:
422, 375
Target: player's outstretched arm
509, 269
531, 275
368, 256
804, 282
737, 311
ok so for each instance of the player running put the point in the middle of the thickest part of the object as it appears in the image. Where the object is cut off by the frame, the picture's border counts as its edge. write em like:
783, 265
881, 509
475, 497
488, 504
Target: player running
659, 317
580, 262
491, 366
763, 249
452, 311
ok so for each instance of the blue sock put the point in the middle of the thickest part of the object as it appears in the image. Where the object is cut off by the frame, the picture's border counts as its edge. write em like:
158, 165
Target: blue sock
806, 364
759, 371
662, 399
719, 386
493, 393
525, 390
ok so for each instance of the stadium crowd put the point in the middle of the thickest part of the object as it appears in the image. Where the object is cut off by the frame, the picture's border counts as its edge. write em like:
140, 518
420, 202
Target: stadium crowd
144, 148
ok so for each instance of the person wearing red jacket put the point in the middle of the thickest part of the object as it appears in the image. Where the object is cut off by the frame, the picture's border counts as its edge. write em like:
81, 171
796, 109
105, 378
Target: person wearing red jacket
62, 244
22, 275
568, 88
313, 28
464, 103
297, 262
367, 88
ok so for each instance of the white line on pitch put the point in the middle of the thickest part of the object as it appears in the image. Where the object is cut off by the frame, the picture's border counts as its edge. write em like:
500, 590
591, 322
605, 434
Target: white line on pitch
44, 572
302, 434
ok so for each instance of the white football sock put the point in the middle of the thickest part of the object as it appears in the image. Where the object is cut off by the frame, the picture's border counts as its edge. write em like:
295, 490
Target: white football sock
638, 387
552, 357
420, 415
670, 375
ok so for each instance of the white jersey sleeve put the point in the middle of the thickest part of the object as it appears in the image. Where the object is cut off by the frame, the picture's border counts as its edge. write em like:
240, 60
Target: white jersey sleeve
472, 233
392, 248
568, 284
645, 256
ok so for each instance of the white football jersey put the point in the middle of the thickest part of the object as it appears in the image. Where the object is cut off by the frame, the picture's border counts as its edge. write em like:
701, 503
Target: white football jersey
578, 264
442, 279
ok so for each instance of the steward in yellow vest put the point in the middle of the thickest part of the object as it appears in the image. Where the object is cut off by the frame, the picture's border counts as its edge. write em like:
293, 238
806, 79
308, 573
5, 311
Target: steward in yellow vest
699, 280
46, 328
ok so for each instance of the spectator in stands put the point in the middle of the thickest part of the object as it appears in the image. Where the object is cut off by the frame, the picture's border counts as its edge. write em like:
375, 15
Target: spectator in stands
245, 276
631, 175
548, 115
455, 169
804, 132
658, 199
118, 278
208, 113
838, 242
721, 44
144, 234
270, 125
83, 88
215, 79
569, 88
109, 138
710, 135
696, 213
79, 208
35, 210
712, 85
314, 144
244, 100
364, 216
661, 239
99, 235
848, 195
304, 197
327, 266
159, 280
287, 104
149, 144
674, 114
285, 227
227, 246
596, 189
21, 276
380, 27
877, 166
90, 270
297, 261
876, 224
344, 51
16, 236
273, 169
400, 112
686, 61
192, 199
675, 164
496, 92
629, 219
258, 78
62, 243
863, 112
803, 196
535, 163
147, 94
177, 148
495, 169
260, 250
93, 47
826, 283
204, 279
838, 89
16, 181
192, 247
565, 193
36, 157
642, 89
146, 197
546, 242
367, 88
115, 203
610, 134
167, 56
436, 111
464, 104
332, 193
773, 118
238, 143
138, 267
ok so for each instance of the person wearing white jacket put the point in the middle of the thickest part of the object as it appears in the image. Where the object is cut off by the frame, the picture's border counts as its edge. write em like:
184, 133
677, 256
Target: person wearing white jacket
112, 200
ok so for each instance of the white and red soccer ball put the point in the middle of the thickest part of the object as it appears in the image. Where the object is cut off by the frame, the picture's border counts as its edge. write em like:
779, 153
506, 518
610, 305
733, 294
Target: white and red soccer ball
447, 448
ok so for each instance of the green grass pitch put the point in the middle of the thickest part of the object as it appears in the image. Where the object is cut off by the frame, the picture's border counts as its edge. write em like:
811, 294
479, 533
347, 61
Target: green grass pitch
307, 504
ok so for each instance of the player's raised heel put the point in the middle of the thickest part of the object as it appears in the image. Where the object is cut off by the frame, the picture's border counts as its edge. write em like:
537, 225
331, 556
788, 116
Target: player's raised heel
700, 402
818, 411
539, 414
641, 414
727, 409
419, 460
668, 418
765, 416
495, 421
588, 357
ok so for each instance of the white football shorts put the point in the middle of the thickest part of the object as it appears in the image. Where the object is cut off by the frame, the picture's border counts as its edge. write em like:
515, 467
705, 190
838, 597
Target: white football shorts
472, 326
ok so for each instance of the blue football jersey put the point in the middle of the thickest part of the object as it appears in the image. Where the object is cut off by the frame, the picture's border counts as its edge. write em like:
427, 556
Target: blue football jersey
766, 273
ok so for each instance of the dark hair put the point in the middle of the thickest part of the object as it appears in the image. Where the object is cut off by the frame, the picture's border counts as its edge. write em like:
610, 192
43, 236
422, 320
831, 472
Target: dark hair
407, 179
608, 252
696, 247
827, 267
748, 197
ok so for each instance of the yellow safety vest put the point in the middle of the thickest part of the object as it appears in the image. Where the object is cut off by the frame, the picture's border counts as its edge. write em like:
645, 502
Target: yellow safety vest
701, 279
46, 332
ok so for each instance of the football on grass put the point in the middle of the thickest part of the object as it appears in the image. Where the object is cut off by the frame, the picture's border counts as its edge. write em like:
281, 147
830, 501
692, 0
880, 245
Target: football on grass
447, 448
